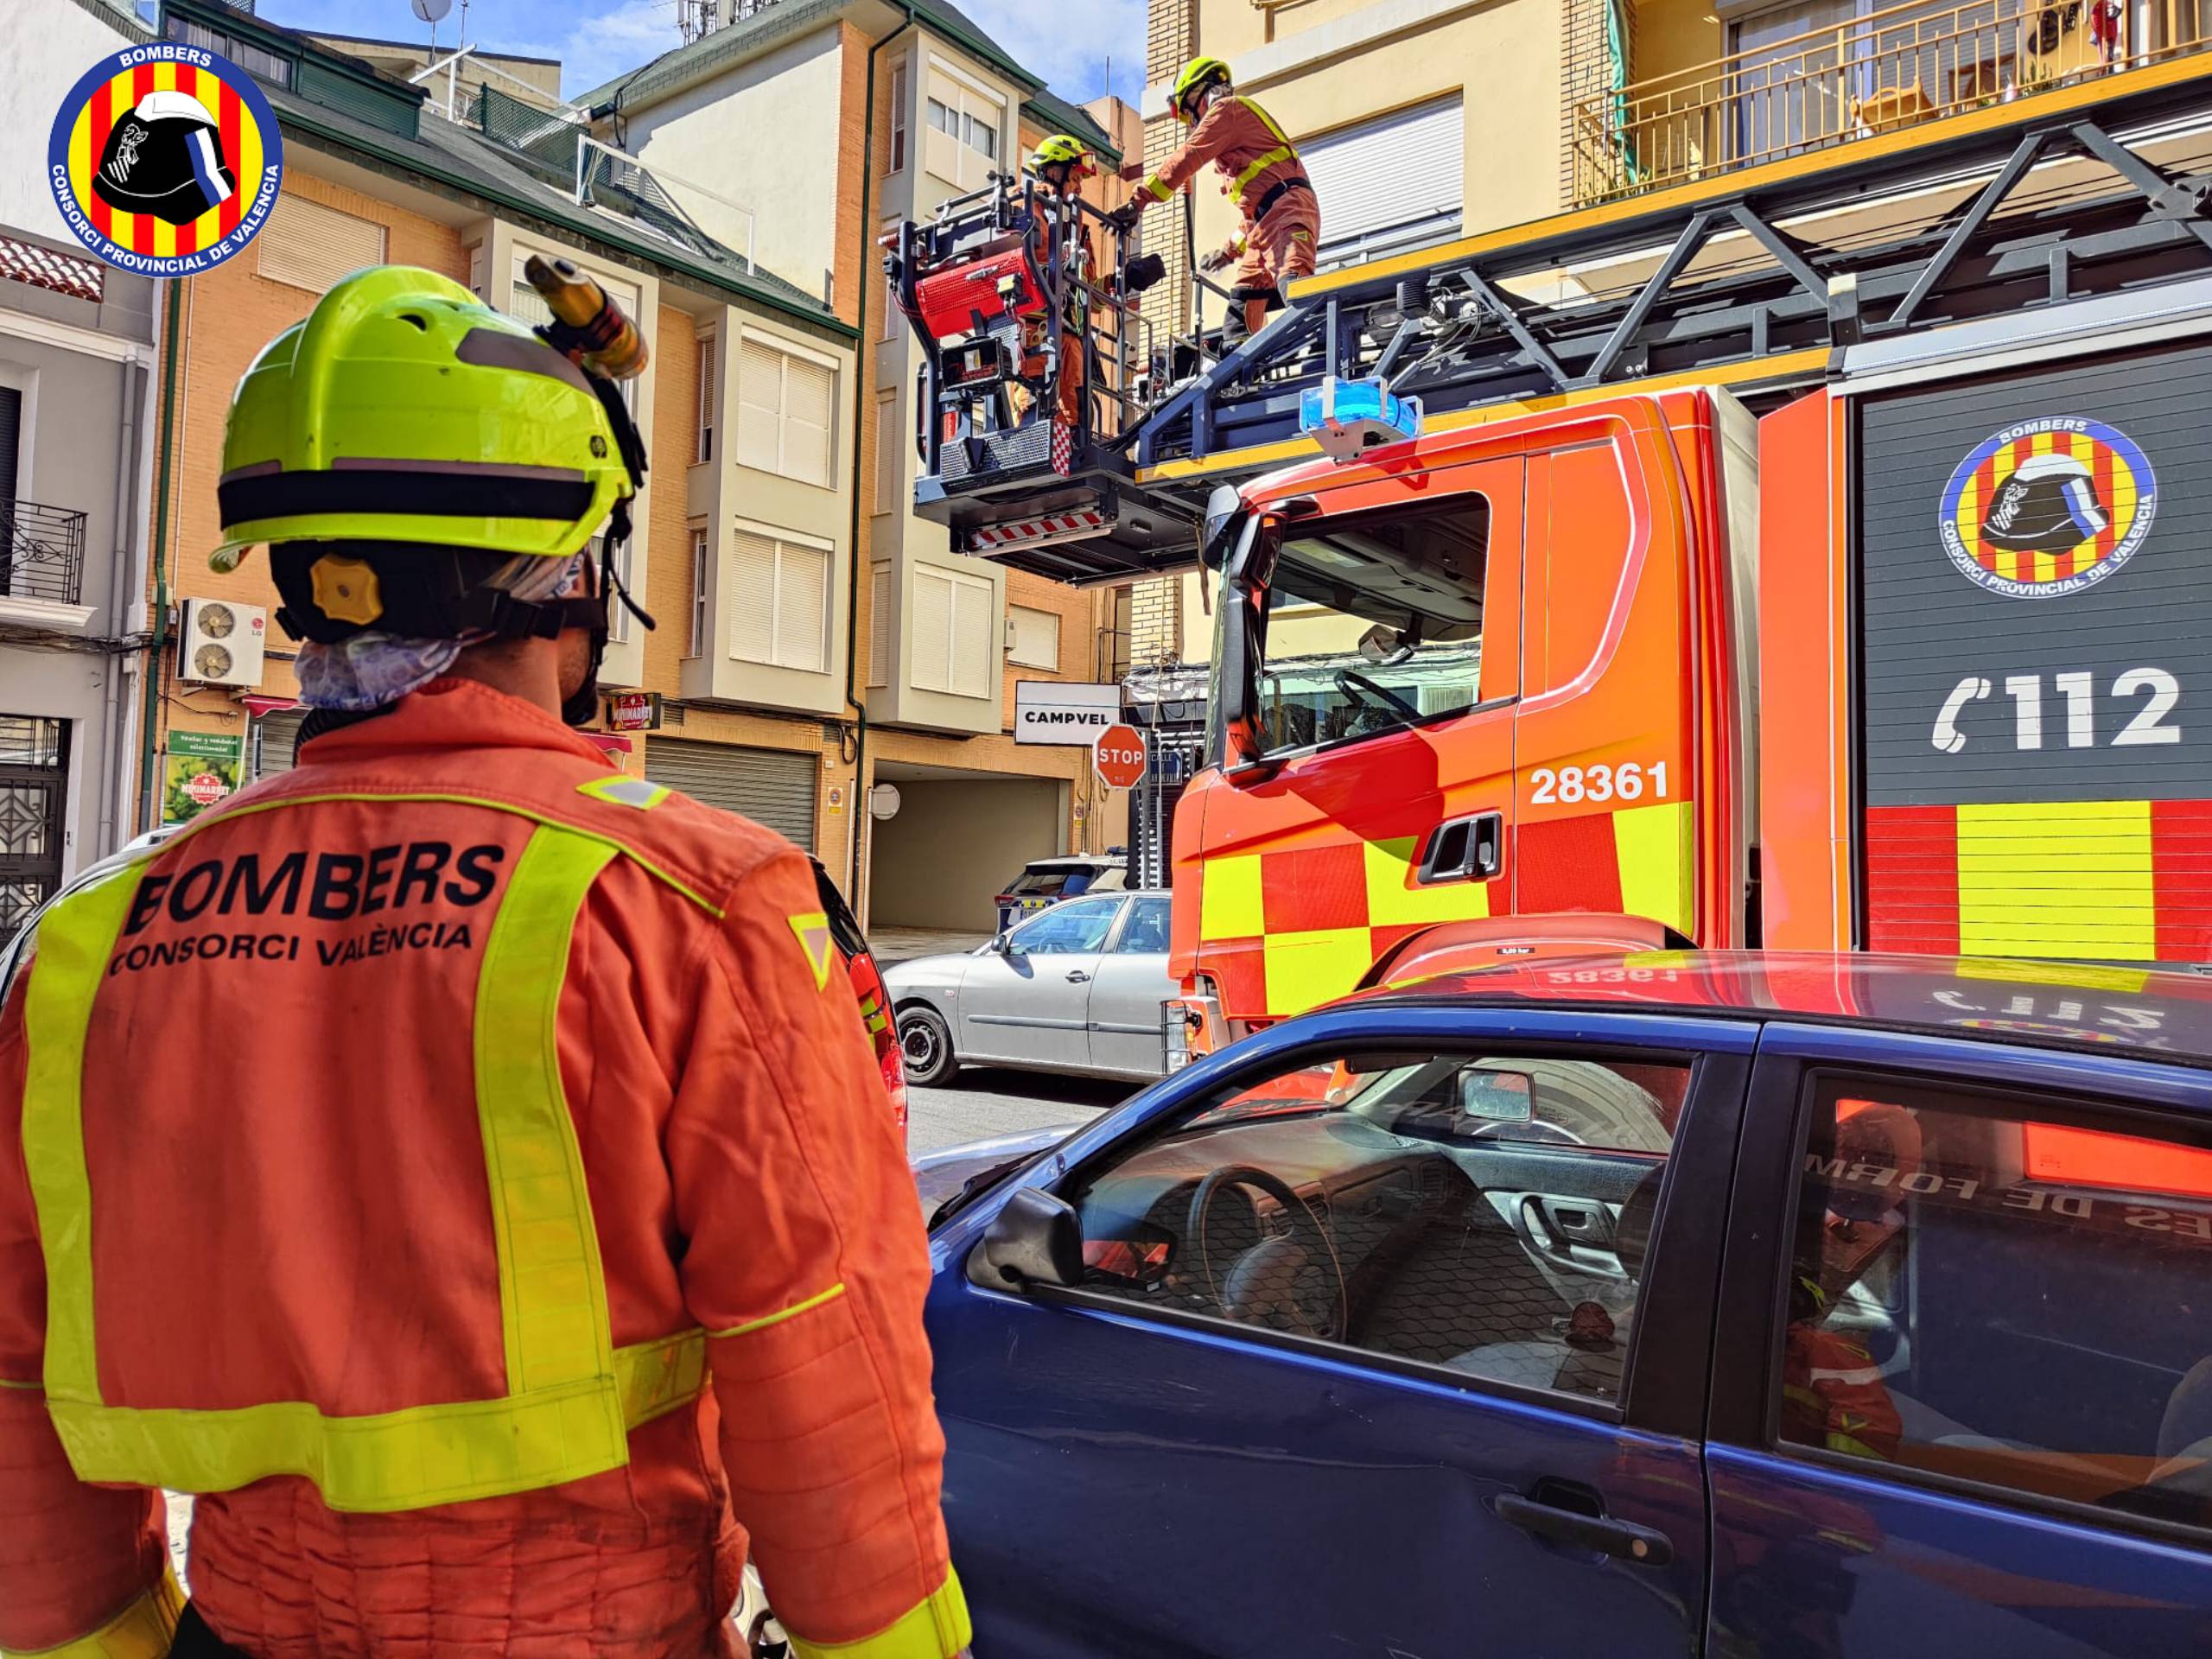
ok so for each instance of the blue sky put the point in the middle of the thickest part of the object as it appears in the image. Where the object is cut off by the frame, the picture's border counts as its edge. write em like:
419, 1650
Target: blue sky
1067, 43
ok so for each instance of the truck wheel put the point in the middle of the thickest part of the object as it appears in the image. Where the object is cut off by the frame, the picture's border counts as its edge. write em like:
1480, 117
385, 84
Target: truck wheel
926, 1042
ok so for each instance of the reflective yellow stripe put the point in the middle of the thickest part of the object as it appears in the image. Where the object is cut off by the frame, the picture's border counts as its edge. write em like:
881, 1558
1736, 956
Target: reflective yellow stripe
1307, 969
1156, 188
1266, 121
790, 1312
1229, 905
1281, 153
571, 1397
28, 1388
935, 1629
627, 792
1394, 899
552, 1288
75, 943
145, 1630
2057, 879
1658, 863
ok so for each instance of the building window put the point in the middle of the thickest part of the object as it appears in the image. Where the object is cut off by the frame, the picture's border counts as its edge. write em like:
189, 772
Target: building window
779, 601
951, 641
784, 409
1035, 638
311, 246
944, 118
703, 449
971, 119
888, 471
879, 626
695, 642
979, 136
898, 117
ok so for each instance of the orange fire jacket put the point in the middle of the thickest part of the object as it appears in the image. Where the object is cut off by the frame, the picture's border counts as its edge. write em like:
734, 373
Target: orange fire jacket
464, 1167
1243, 142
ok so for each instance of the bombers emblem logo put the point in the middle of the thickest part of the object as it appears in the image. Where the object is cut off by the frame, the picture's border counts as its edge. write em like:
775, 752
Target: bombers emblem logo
2048, 507
165, 160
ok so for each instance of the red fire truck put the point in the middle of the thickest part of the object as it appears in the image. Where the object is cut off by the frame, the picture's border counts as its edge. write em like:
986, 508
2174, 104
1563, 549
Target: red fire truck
1837, 577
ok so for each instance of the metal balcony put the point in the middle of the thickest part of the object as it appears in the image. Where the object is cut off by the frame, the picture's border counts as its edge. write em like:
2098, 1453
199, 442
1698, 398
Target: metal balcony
45, 553
1890, 69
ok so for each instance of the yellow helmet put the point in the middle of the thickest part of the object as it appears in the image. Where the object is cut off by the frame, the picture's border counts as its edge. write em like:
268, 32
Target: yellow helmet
1059, 150
1198, 74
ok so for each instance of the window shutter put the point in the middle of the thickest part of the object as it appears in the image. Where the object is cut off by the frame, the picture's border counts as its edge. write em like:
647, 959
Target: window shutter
308, 245
972, 621
879, 627
1393, 183
933, 633
802, 607
752, 598
709, 396
810, 405
760, 406
1036, 637
696, 644
887, 467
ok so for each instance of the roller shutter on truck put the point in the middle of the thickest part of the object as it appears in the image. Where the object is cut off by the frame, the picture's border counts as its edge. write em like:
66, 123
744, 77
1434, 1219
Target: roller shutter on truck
2035, 578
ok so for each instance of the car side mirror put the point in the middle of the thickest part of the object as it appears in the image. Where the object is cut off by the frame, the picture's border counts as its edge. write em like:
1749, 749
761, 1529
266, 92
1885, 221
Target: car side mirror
1007, 945
1036, 1239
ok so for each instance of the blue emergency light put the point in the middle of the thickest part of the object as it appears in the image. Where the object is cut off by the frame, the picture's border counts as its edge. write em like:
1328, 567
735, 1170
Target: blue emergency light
1347, 417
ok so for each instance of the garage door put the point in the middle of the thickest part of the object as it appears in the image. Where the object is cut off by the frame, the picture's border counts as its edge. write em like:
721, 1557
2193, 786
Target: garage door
1396, 182
770, 786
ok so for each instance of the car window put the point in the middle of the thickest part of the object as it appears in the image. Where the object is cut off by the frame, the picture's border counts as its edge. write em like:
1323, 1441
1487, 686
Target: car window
1490, 1215
1039, 884
1146, 929
1074, 927
1984, 1289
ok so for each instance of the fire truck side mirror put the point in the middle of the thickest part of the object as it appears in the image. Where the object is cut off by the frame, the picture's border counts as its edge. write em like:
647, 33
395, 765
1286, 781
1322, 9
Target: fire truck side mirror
1224, 517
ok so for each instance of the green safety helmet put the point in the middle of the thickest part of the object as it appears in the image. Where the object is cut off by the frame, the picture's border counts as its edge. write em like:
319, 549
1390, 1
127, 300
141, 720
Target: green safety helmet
412, 438
1198, 74
1062, 149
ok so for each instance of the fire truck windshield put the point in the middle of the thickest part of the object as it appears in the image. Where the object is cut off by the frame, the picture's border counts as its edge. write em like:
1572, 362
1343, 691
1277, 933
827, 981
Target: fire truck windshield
1368, 623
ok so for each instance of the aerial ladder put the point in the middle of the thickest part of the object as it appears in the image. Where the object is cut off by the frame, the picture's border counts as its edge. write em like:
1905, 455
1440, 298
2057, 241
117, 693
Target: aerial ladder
1759, 280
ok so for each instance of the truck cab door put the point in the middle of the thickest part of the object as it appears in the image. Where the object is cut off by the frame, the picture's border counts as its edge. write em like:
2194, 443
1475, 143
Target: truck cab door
1382, 799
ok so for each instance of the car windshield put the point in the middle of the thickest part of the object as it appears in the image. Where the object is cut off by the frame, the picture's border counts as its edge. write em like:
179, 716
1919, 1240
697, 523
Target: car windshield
1041, 884
1374, 623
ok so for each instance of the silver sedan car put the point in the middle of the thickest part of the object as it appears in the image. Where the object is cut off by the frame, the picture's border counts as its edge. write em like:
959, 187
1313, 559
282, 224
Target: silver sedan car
1078, 987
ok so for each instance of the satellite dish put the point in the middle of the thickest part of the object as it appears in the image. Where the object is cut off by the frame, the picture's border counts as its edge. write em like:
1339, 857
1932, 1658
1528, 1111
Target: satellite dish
429, 10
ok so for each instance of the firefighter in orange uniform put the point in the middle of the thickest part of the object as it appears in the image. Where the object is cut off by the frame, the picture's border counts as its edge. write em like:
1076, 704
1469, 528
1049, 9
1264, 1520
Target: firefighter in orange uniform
401, 1156
1281, 217
1061, 164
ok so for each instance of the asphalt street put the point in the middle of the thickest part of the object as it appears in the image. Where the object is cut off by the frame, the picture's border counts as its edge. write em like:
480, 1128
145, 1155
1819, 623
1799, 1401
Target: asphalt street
983, 1105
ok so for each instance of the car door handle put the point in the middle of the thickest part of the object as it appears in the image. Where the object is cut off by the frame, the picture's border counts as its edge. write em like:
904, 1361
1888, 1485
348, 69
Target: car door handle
1078, 977
1621, 1539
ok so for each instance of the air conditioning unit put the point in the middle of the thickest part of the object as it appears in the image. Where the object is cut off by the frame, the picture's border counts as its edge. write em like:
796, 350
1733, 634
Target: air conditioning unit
219, 642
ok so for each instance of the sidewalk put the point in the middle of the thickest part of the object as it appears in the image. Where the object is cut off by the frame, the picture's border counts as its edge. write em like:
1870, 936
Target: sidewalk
893, 945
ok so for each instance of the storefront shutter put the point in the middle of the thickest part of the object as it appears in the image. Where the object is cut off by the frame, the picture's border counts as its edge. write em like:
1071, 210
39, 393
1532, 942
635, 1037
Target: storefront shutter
277, 742
771, 787
1394, 182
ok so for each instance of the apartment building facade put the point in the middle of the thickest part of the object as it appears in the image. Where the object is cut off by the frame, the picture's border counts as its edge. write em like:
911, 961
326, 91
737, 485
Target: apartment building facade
741, 535
879, 111
78, 344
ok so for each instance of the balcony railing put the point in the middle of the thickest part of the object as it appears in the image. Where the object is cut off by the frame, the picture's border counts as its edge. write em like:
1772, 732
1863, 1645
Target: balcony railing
44, 549
1872, 74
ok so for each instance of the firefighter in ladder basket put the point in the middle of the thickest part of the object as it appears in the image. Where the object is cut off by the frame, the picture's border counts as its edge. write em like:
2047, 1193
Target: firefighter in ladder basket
1282, 219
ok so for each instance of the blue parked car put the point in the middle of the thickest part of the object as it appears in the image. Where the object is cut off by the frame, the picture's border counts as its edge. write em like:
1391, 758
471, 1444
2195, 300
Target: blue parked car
1666, 1304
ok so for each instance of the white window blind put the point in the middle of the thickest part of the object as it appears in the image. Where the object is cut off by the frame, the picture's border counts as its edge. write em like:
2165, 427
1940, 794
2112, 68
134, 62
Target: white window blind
1396, 182
889, 450
879, 626
785, 405
953, 620
1036, 637
780, 603
696, 645
308, 245
709, 395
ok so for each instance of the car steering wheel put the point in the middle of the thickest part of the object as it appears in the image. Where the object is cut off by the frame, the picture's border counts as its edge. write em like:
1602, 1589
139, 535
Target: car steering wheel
1361, 690
1278, 1275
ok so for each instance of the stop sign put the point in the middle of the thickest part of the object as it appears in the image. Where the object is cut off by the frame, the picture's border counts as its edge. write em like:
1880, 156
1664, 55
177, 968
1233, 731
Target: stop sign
1120, 756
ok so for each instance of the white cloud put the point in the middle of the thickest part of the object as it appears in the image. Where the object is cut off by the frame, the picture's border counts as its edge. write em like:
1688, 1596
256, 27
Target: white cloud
1069, 41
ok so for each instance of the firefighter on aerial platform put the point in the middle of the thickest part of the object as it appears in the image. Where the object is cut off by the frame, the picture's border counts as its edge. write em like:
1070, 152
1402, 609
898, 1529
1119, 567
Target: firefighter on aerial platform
1060, 164
1281, 217
510, 1285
